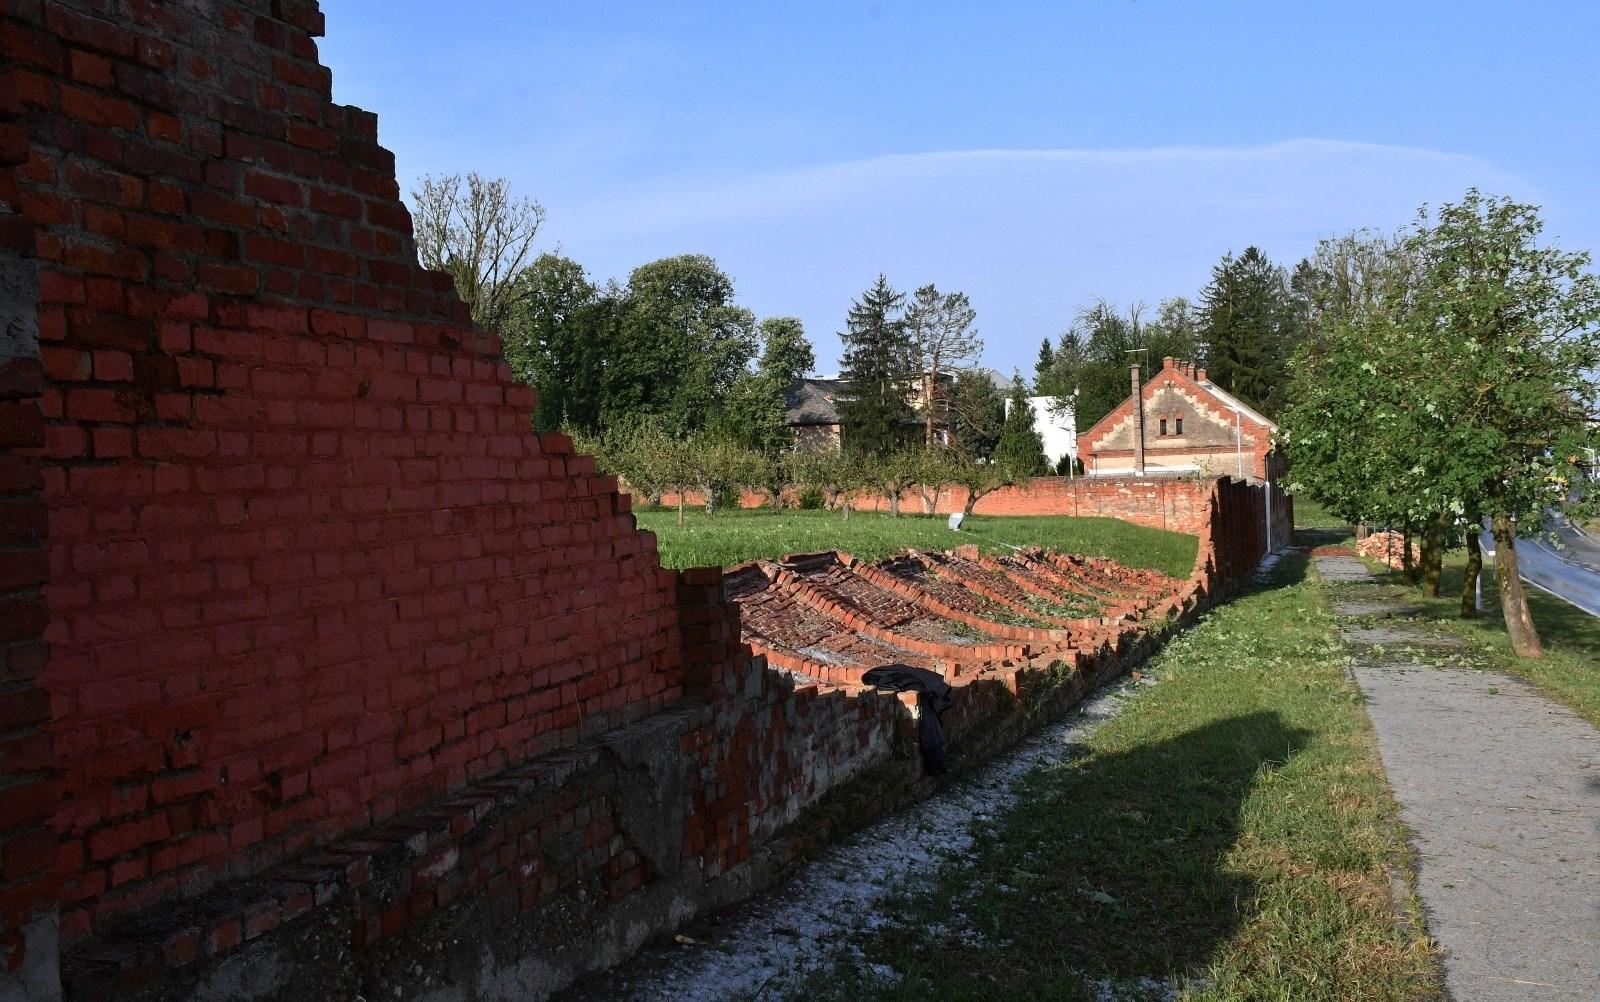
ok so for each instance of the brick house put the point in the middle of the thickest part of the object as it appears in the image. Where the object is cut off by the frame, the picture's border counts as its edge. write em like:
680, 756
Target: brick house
1191, 425
811, 409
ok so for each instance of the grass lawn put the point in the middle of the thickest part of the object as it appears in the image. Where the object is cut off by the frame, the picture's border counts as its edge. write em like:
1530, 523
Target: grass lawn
731, 537
1231, 829
1310, 515
1570, 668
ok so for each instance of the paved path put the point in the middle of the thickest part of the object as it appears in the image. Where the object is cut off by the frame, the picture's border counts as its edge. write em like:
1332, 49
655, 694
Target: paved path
1501, 787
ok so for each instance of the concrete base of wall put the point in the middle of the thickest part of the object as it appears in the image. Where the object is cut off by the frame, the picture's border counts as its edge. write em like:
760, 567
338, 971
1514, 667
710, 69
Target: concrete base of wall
38, 977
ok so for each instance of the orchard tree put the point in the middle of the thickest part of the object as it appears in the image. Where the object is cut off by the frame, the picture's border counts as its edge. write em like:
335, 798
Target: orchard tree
879, 367
940, 325
478, 232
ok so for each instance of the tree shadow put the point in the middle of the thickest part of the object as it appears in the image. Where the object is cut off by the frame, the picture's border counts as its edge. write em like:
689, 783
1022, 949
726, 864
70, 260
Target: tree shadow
1113, 865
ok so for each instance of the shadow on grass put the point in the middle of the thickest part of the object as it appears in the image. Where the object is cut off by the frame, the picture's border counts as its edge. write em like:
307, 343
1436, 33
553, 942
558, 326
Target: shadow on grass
1110, 866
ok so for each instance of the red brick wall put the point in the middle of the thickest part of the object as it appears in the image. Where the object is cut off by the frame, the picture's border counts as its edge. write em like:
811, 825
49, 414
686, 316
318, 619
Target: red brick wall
1178, 504
308, 565
28, 791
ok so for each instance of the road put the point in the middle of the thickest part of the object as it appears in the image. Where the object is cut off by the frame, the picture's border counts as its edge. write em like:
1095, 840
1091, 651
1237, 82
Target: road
1567, 565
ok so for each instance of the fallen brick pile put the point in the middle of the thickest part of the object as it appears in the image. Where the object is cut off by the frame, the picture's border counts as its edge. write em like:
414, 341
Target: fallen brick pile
1387, 547
829, 618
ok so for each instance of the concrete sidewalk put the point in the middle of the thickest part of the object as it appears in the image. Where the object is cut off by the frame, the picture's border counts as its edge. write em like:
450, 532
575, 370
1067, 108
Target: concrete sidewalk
1500, 786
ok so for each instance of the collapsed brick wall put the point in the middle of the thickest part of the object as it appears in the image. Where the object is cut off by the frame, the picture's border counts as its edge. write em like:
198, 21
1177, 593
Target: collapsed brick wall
308, 566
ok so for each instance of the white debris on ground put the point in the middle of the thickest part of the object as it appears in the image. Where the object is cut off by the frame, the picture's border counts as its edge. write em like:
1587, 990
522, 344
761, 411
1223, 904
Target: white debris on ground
818, 917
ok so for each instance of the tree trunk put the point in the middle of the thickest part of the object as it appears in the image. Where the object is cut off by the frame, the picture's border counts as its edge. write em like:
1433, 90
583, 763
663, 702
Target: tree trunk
1469, 581
929, 501
846, 506
894, 501
1407, 567
680, 507
1513, 600
1432, 558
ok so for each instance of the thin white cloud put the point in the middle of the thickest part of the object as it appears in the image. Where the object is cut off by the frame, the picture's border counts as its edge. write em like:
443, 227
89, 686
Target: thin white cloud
1030, 235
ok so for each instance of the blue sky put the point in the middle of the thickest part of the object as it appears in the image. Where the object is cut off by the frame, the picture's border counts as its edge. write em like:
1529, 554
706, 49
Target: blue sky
1035, 156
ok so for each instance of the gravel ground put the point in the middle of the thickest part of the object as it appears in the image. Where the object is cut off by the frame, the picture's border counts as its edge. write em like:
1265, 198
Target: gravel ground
817, 916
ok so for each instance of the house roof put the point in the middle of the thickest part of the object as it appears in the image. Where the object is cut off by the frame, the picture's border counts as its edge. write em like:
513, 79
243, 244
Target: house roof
1236, 403
811, 401
1184, 371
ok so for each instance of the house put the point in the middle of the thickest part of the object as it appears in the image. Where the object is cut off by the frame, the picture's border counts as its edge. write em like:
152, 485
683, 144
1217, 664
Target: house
811, 409
1053, 419
812, 414
1190, 425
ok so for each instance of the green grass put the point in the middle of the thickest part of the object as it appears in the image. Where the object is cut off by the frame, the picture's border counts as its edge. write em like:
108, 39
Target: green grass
1310, 515
731, 537
1570, 668
1231, 829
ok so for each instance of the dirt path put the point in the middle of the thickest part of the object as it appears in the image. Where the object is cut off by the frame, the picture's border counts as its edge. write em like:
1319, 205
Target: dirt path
1501, 787
759, 947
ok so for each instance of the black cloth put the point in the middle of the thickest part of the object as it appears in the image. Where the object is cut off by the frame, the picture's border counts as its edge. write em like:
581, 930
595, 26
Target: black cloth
933, 698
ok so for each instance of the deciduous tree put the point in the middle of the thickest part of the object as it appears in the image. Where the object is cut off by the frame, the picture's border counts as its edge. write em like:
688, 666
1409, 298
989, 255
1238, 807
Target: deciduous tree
475, 229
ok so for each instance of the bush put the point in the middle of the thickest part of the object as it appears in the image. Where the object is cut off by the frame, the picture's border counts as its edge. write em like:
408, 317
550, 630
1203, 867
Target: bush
810, 498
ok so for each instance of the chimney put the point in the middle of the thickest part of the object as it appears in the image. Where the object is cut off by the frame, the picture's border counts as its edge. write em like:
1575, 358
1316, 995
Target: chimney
1199, 375
1168, 362
1138, 422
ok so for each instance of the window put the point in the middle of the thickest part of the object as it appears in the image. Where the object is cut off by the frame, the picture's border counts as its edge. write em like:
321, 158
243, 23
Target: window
1163, 426
1180, 426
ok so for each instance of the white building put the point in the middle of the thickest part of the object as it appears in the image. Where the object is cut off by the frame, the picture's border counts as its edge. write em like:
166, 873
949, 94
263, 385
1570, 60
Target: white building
1057, 427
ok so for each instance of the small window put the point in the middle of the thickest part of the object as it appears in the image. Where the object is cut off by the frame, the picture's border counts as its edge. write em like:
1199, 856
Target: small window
1163, 426
1180, 426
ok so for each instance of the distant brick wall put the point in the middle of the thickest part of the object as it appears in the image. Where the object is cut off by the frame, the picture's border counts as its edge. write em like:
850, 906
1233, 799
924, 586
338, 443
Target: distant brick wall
1175, 503
309, 567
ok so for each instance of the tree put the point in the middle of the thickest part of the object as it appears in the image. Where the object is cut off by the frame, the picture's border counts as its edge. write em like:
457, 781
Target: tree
1044, 369
557, 337
680, 343
879, 364
978, 477
753, 412
1514, 333
1245, 322
896, 473
1021, 449
933, 470
940, 326
978, 412
1456, 386
475, 229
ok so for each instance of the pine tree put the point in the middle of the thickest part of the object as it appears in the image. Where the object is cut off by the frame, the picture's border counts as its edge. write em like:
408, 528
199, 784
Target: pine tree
1021, 450
1245, 316
879, 371
1044, 370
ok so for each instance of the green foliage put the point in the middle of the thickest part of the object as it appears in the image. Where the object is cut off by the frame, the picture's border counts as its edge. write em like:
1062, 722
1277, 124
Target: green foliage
1247, 321
879, 367
681, 343
1021, 449
1093, 355
1454, 378
558, 335
978, 412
